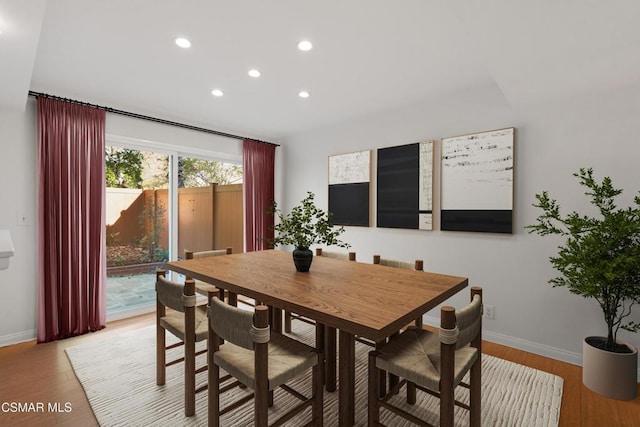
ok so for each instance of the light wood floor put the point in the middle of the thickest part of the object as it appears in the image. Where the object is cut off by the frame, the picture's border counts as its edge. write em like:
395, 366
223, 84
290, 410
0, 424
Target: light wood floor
31, 373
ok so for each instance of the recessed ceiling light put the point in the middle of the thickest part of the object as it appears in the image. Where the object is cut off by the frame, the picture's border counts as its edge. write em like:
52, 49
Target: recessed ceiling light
217, 92
254, 73
305, 45
183, 43
303, 94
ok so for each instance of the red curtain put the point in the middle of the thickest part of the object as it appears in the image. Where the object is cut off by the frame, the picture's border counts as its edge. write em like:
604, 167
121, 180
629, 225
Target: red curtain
71, 223
258, 182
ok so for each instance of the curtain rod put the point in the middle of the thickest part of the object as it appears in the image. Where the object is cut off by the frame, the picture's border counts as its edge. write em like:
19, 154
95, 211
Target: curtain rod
143, 117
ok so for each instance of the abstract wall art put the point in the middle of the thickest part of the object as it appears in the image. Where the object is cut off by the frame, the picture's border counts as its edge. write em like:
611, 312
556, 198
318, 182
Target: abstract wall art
405, 186
349, 181
477, 182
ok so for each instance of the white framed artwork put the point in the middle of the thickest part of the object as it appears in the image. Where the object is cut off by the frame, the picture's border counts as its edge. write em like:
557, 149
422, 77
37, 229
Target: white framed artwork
477, 182
349, 181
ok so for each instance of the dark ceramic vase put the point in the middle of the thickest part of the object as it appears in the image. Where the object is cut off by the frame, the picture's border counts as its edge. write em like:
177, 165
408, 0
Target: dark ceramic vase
302, 258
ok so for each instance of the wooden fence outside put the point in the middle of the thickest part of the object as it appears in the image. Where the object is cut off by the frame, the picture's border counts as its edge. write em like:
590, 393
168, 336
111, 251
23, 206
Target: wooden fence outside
208, 218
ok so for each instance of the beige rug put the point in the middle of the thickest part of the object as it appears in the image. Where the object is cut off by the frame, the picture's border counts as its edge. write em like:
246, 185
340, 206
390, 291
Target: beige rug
118, 376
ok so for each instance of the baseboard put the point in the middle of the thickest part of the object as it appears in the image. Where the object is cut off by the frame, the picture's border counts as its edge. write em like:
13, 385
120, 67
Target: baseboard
17, 337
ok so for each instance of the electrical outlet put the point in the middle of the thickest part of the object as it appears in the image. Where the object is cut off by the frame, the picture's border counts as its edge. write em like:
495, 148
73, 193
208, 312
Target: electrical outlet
489, 312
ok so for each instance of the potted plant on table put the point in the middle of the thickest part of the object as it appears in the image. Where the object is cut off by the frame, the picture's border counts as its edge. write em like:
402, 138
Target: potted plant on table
600, 259
303, 226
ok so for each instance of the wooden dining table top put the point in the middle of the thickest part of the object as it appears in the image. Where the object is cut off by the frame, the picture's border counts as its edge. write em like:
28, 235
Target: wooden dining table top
372, 301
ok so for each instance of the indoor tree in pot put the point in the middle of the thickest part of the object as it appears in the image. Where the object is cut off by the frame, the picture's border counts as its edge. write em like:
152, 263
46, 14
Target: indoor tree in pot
304, 226
600, 259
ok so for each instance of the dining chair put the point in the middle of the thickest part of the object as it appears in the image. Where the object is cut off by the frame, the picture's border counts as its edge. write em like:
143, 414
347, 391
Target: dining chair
203, 288
435, 363
416, 265
188, 323
259, 359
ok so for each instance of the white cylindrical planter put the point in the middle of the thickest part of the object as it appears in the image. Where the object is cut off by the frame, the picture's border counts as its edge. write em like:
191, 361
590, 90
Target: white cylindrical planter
610, 374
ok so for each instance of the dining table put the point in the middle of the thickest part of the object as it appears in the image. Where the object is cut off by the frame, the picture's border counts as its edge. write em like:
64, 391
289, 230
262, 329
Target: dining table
356, 299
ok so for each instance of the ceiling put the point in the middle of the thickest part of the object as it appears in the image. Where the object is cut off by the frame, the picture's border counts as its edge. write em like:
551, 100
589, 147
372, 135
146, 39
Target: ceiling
368, 55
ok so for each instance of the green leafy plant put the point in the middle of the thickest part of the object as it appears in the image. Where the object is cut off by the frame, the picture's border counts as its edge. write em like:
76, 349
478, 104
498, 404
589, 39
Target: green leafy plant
601, 255
201, 172
304, 226
123, 167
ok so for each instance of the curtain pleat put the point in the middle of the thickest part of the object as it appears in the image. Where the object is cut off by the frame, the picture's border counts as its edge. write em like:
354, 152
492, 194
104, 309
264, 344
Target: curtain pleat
258, 183
71, 223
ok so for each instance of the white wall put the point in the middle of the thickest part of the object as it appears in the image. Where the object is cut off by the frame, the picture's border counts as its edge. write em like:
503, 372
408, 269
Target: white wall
552, 142
18, 284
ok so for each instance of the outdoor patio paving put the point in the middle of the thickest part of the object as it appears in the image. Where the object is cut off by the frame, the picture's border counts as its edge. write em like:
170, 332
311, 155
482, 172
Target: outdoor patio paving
133, 291
127, 292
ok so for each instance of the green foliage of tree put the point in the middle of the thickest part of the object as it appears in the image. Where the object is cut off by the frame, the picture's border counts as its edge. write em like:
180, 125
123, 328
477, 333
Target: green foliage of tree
155, 170
305, 225
123, 168
200, 173
601, 255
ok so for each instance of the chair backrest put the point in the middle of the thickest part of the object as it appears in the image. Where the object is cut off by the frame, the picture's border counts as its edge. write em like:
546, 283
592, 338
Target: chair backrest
351, 256
467, 323
416, 265
204, 254
236, 325
173, 295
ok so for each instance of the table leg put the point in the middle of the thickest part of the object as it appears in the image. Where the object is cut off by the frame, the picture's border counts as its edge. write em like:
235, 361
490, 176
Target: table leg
393, 379
383, 374
276, 321
346, 392
233, 299
331, 355
321, 346
287, 321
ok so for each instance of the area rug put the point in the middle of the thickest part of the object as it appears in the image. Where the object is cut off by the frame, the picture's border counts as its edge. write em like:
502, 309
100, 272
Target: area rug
118, 376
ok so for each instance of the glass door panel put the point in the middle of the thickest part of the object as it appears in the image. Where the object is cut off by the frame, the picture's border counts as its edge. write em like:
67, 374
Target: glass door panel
137, 211
209, 205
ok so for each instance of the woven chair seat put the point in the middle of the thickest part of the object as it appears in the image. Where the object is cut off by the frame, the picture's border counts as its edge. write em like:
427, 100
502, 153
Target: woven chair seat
288, 358
174, 323
415, 356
